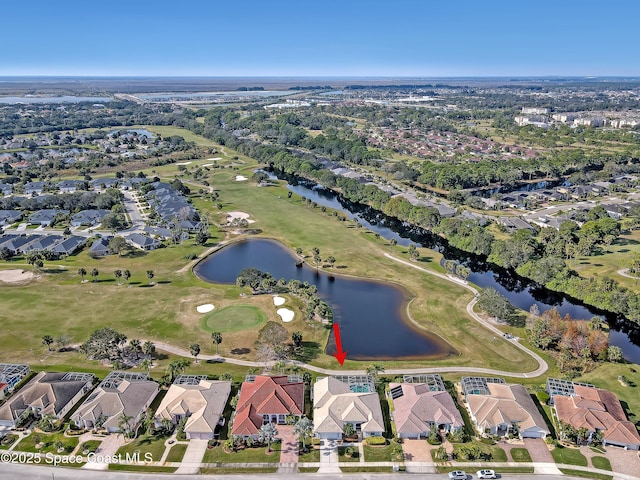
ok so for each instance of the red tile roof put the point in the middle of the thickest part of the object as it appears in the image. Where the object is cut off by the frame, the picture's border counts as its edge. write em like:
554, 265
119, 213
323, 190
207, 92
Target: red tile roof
266, 396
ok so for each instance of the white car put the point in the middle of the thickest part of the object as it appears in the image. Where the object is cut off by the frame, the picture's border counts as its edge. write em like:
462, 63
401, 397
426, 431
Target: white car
458, 475
486, 474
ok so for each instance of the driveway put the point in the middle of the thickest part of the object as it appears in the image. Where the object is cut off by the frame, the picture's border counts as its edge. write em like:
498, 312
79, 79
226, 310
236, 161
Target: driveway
329, 457
416, 450
107, 448
193, 457
624, 461
541, 455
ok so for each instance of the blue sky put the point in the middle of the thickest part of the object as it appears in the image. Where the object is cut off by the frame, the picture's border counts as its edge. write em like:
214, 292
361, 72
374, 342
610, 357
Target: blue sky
327, 38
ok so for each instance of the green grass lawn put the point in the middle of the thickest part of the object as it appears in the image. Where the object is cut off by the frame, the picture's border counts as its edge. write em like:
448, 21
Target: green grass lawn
313, 455
153, 444
247, 455
91, 446
176, 453
601, 463
48, 440
569, 456
343, 457
233, 318
581, 473
377, 454
8, 440
141, 468
497, 453
520, 455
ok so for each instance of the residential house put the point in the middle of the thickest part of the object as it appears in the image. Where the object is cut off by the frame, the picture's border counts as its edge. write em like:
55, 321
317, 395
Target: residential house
46, 394
614, 211
266, 399
14, 242
197, 399
12, 374
33, 188
336, 404
100, 247
68, 246
514, 223
88, 217
419, 407
104, 183
159, 232
39, 243
143, 242
46, 216
502, 409
121, 394
597, 411
5, 189
70, 186
7, 217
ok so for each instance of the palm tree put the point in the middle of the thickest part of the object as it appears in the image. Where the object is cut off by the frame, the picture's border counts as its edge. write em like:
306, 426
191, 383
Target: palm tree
118, 274
374, 369
146, 364
194, 348
299, 252
393, 242
150, 275
82, 272
124, 425
148, 348
216, 337
135, 347
176, 367
463, 271
127, 275
303, 429
268, 434
280, 365
331, 259
296, 337
94, 274
317, 260
47, 340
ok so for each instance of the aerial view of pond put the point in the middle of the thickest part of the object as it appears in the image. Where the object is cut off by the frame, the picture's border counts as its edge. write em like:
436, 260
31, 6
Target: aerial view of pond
521, 292
371, 314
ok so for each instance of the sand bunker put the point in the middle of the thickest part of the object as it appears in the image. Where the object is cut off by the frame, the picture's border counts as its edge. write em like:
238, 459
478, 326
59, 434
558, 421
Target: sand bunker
213, 159
277, 301
207, 164
207, 307
231, 216
183, 163
285, 314
16, 276
241, 178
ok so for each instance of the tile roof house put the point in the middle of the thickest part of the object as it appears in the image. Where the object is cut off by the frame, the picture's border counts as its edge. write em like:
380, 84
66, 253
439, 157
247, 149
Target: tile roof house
417, 408
335, 406
142, 242
202, 403
7, 217
46, 394
266, 400
119, 393
46, 217
597, 410
88, 217
504, 409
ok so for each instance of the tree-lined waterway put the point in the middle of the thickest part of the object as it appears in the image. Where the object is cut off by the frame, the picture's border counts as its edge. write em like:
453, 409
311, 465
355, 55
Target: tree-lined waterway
521, 292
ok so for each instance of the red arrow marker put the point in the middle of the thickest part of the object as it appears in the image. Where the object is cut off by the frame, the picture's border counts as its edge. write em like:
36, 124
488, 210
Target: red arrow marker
340, 355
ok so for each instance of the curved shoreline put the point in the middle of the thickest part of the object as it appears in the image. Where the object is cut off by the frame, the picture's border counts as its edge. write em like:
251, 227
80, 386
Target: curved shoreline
446, 350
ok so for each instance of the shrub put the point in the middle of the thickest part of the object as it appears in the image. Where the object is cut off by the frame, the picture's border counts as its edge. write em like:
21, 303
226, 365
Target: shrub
375, 441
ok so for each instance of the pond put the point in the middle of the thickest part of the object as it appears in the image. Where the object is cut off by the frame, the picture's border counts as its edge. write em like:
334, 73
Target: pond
371, 314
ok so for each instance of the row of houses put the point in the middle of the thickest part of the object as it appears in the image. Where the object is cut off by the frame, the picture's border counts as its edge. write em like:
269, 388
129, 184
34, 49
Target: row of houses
37, 188
46, 217
18, 244
420, 405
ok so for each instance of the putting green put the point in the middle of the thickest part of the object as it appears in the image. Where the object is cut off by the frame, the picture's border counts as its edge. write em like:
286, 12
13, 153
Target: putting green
233, 319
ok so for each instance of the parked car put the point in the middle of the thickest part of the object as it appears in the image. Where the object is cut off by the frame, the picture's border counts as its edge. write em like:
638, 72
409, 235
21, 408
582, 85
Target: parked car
486, 474
458, 475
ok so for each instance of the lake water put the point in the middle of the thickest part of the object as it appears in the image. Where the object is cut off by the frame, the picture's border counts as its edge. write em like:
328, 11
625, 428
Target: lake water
62, 99
371, 314
520, 291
